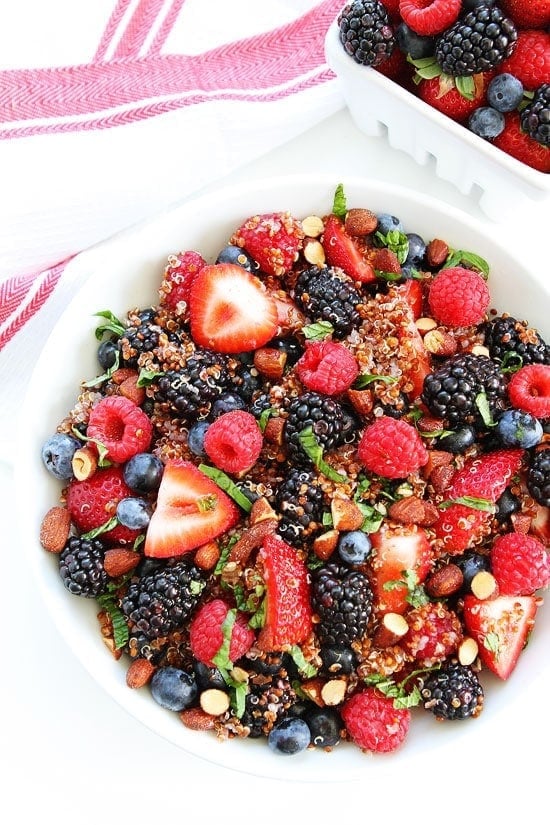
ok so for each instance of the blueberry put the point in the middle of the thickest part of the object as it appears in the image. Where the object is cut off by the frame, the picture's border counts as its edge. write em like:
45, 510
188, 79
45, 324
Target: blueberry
519, 429
505, 92
388, 223
134, 513
325, 726
417, 249
249, 382
289, 736
486, 122
412, 43
107, 353
227, 402
506, 504
57, 454
458, 440
291, 346
235, 255
195, 438
208, 677
143, 473
336, 660
471, 563
173, 689
354, 547
470, 5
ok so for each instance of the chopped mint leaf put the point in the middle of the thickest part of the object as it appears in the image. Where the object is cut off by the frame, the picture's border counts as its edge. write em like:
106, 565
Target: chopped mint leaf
224, 555
457, 257
112, 324
103, 528
305, 668
410, 700
416, 595
484, 504
257, 620
221, 659
108, 603
511, 362
227, 485
395, 241
436, 433
318, 331
326, 519
265, 416
146, 377
482, 404
196, 587
100, 379
313, 450
387, 276
339, 205
372, 518
369, 378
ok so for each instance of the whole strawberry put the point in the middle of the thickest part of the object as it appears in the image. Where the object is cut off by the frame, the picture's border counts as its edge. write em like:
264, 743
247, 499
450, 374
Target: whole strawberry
517, 143
92, 503
530, 60
528, 13
442, 94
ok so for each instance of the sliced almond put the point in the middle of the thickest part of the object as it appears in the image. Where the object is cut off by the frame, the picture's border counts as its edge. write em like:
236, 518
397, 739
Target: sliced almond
333, 692
261, 510
84, 463
214, 701
467, 651
314, 253
425, 324
484, 585
325, 544
391, 629
313, 226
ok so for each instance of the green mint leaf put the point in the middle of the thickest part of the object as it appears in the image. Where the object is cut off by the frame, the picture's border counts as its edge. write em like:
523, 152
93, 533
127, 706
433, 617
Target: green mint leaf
326, 519
227, 485
100, 379
458, 257
196, 587
442, 434
482, 404
416, 595
257, 620
108, 603
387, 276
372, 518
318, 331
339, 204
103, 528
409, 700
221, 659
305, 668
224, 555
483, 504
511, 362
146, 377
369, 378
112, 324
396, 241
314, 451
265, 416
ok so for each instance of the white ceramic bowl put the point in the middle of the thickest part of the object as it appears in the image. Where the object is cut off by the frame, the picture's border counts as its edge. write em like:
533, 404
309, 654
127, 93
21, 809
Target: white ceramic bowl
125, 273
378, 106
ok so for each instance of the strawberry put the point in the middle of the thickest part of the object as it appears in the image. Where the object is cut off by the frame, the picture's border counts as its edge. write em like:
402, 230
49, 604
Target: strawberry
343, 251
191, 511
411, 291
179, 274
517, 143
231, 310
273, 240
461, 524
535, 14
442, 94
288, 616
530, 60
501, 627
419, 359
398, 552
92, 503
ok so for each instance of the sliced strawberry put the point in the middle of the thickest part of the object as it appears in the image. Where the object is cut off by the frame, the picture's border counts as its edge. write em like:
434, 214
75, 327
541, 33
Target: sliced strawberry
411, 290
191, 511
398, 551
288, 608
540, 524
418, 358
231, 310
483, 479
342, 250
501, 627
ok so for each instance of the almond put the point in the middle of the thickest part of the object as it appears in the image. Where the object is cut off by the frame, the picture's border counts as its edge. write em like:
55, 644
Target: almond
484, 585
361, 400
251, 540
214, 701
413, 510
425, 324
129, 389
270, 362
346, 515
261, 510
333, 692
139, 673
120, 560
441, 477
54, 530
207, 556
313, 226
314, 252
274, 430
313, 690
436, 252
197, 719
444, 582
119, 376
440, 342
84, 463
325, 544
360, 222
391, 629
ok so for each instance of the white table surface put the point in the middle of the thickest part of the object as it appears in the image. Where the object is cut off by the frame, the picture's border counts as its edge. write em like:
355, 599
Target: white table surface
68, 753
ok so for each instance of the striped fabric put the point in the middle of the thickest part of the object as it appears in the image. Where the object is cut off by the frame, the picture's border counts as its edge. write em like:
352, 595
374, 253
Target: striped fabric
133, 78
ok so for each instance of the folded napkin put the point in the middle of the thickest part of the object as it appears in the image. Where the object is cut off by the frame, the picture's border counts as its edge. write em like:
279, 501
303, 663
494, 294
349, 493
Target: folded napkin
114, 110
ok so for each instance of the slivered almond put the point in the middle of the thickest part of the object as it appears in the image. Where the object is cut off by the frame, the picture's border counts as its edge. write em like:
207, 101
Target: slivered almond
55, 528
333, 692
467, 651
391, 629
120, 560
313, 690
441, 477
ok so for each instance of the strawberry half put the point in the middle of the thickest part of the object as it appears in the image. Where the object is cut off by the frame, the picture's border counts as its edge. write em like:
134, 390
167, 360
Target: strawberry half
342, 251
418, 358
231, 310
483, 478
191, 511
288, 608
398, 550
501, 627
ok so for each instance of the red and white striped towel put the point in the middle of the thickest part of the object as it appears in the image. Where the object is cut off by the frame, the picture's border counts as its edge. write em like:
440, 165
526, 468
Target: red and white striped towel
114, 110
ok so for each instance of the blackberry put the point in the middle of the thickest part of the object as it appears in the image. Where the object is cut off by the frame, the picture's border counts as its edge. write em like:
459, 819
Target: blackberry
505, 336
538, 477
143, 335
268, 699
327, 294
366, 32
81, 567
161, 601
342, 598
477, 42
300, 502
535, 118
190, 391
462, 387
325, 417
452, 692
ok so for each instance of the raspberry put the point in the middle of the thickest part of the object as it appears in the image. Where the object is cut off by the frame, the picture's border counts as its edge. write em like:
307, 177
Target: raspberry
520, 564
327, 367
534, 14
434, 633
92, 503
517, 143
530, 61
273, 240
179, 275
121, 427
373, 723
391, 448
529, 390
458, 297
428, 17
234, 441
206, 633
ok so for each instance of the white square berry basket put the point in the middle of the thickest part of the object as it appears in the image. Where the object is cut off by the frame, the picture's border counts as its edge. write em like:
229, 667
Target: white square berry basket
378, 105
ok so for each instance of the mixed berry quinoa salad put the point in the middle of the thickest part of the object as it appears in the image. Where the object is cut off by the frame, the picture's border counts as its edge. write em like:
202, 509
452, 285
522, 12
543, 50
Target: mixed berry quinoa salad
308, 487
